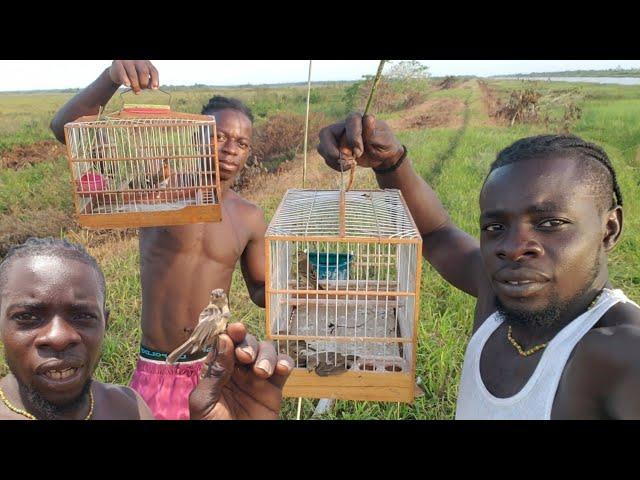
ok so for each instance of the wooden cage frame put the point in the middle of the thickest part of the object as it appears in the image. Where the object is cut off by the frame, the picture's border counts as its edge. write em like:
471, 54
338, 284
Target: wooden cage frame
389, 386
209, 209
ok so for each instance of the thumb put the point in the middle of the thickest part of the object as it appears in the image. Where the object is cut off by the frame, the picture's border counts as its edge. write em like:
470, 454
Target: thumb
216, 371
368, 129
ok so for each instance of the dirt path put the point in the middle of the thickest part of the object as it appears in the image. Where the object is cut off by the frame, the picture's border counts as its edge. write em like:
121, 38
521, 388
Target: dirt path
436, 170
489, 102
21, 156
435, 113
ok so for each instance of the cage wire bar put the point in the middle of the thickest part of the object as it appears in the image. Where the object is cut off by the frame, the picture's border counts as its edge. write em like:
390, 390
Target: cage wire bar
345, 307
132, 172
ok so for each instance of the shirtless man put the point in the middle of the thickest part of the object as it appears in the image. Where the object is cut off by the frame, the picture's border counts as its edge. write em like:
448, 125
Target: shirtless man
180, 265
551, 338
52, 324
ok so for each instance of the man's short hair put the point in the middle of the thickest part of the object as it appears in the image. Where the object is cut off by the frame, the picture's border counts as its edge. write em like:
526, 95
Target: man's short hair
219, 102
597, 169
51, 247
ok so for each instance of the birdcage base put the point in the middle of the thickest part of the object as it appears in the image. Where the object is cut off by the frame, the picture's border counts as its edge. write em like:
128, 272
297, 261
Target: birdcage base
352, 385
347, 352
152, 217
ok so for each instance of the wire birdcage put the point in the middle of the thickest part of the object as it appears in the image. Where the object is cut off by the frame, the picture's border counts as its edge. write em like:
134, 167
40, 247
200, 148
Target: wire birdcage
343, 276
144, 166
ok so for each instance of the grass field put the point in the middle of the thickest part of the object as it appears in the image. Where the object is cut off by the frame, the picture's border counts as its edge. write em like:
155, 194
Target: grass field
453, 157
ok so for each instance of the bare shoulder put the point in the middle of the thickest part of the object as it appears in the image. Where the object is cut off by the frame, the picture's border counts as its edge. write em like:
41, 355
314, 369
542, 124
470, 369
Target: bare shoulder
124, 402
614, 345
241, 204
241, 208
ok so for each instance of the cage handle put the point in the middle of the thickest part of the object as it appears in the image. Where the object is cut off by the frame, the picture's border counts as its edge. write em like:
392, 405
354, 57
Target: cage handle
145, 108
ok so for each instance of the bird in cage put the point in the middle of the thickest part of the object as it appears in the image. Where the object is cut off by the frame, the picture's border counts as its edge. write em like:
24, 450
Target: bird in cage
211, 323
163, 177
325, 364
303, 267
159, 179
296, 349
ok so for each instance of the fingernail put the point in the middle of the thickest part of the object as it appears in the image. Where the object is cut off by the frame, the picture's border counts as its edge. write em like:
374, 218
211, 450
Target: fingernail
265, 365
249, 351
284, 363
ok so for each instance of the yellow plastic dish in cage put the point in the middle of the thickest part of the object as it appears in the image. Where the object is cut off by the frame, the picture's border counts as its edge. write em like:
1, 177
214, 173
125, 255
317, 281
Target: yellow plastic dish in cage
144, 166
342, 293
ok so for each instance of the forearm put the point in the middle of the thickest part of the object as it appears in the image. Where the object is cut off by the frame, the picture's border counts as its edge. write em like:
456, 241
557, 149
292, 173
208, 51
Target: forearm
452, 252
423, 203
87, 102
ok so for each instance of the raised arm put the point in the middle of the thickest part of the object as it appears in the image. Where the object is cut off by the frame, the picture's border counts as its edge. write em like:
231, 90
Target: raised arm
137, 74
252, 261
454, 253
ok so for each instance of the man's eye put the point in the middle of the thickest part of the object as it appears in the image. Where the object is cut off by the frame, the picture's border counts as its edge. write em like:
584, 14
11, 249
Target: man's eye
84, 316
26, 317
554, 222
494, 227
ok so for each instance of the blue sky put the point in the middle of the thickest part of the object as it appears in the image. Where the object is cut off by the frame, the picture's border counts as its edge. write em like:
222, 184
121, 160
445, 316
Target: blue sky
57, 74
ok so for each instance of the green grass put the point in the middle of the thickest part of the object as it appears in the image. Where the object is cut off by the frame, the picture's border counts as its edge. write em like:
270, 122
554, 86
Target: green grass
24, 117
454, 162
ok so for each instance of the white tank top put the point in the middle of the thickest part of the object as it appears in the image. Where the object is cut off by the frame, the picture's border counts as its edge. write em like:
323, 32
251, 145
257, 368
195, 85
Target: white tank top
535, 400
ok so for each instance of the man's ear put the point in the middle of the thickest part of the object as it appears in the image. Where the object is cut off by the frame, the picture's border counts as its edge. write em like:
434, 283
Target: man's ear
613, 228
106, 318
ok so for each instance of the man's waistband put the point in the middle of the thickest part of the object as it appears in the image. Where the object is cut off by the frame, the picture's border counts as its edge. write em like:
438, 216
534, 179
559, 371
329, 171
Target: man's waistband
150, 354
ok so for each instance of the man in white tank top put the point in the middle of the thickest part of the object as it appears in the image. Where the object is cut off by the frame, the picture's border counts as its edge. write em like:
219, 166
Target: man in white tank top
551, 338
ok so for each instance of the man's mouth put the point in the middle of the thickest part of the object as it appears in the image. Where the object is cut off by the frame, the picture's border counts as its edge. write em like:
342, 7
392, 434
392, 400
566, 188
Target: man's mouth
228, 166
60, 374
519, 283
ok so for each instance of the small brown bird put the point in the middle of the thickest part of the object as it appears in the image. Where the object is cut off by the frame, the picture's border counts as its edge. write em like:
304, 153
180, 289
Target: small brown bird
303, 267
161, 179
212, 322
329, 363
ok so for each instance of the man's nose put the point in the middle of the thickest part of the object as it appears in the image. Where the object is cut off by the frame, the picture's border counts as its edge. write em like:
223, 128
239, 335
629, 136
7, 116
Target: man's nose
518, 244
58, 335
230, 147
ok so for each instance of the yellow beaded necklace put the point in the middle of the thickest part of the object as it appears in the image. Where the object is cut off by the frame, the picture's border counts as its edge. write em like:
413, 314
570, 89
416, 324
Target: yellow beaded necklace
533, 350
24, 413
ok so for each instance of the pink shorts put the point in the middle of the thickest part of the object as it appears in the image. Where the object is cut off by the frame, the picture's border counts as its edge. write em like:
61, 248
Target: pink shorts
166, 388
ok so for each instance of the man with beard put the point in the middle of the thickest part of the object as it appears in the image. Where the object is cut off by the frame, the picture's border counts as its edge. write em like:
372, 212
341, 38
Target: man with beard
180, 265
52, 324
551, 338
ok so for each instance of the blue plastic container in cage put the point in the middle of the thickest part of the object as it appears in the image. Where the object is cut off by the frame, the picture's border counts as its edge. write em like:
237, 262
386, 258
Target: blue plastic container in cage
330, 266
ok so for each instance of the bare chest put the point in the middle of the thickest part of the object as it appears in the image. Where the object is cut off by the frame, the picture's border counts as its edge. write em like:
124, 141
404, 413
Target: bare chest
221, 242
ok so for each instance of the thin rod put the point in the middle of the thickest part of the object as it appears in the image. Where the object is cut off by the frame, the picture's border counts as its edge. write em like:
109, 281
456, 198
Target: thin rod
306, 130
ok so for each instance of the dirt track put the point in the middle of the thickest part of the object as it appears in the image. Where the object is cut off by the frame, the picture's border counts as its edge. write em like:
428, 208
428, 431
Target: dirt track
436, 113
21, 156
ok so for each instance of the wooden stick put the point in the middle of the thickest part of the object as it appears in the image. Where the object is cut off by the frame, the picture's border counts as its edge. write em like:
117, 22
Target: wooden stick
376, 80
306, 130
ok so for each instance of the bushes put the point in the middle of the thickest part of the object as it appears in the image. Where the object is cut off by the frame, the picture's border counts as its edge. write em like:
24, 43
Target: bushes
279, 140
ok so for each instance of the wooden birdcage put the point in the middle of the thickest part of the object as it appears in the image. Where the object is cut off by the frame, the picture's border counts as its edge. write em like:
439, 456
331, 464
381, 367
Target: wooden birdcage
144, 166
343, 277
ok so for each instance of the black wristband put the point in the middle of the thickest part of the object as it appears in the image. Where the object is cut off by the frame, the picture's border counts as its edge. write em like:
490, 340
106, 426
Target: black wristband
382, 171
